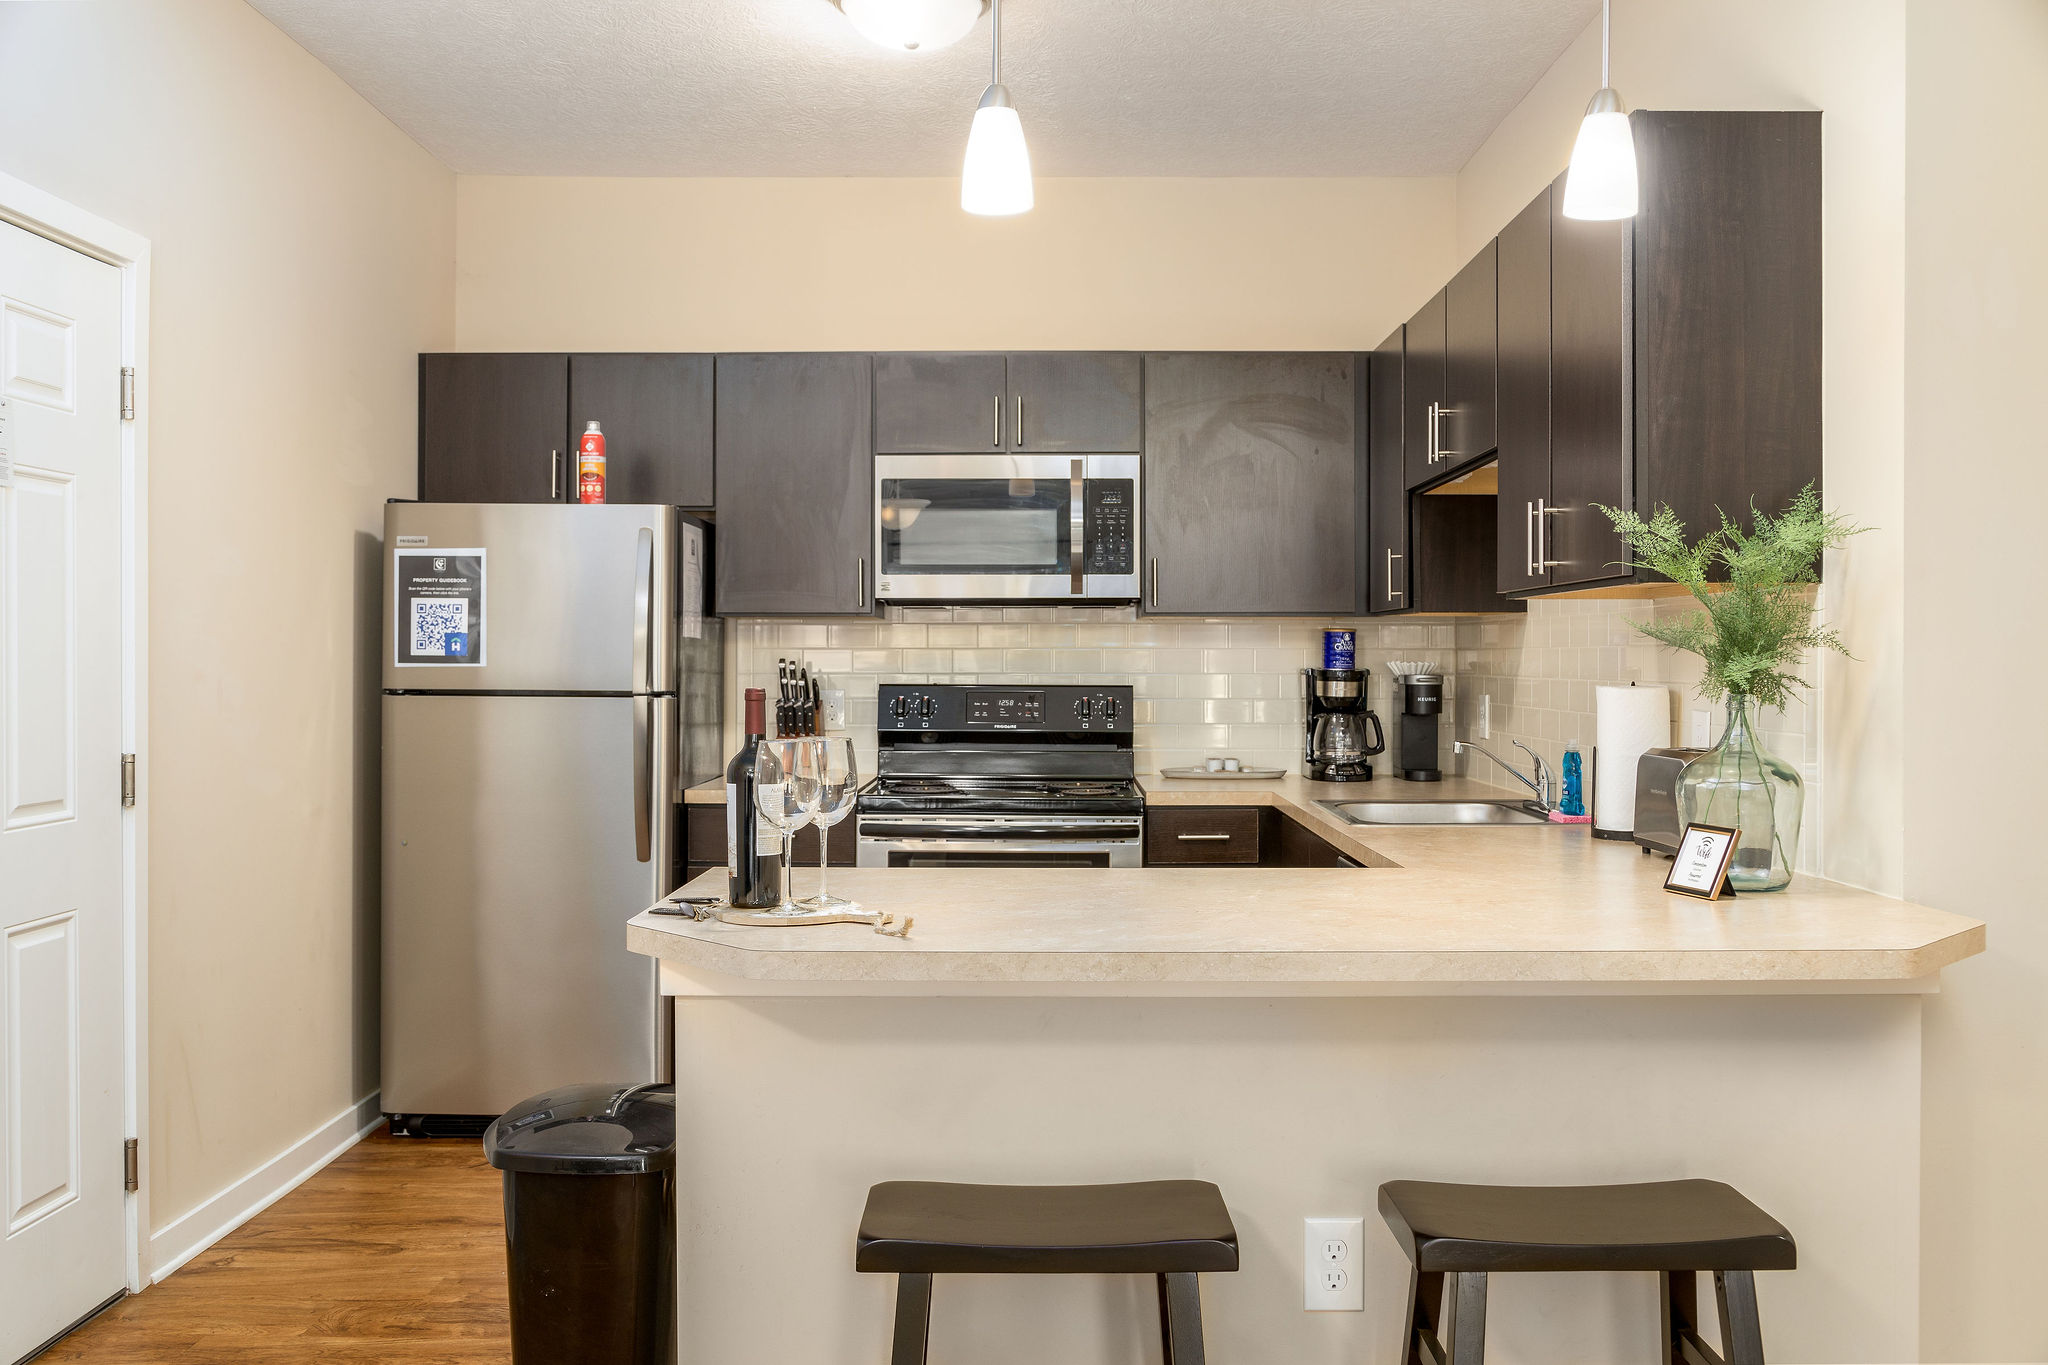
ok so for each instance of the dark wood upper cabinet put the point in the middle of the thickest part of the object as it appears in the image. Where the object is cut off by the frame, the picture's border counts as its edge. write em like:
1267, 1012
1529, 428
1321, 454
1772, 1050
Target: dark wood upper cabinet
941, 404
1466, 430
1422, 389
655, 411
1590, 407
1685, 342
1043, 402
1078, 401
1726, 313
1249, 469
1385, 474
1524, 417
495, 428
795, 485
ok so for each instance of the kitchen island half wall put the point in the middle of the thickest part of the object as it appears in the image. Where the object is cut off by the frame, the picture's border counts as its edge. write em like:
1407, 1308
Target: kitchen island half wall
1512, 1006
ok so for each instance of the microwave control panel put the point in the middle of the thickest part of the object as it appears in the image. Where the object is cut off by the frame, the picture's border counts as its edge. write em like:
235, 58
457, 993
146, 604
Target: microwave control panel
1109, 526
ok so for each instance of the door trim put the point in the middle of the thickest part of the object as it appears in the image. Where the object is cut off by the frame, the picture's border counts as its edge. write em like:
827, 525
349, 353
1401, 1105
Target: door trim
27, 207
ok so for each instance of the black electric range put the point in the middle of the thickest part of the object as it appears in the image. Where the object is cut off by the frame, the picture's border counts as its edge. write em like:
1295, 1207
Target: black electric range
970, 775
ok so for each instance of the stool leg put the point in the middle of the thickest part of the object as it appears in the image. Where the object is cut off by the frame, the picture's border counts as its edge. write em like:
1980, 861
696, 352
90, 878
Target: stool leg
1465, 1306
1682, 1344
1423, 1345
1180, 1318
1742, 1333
913, 1320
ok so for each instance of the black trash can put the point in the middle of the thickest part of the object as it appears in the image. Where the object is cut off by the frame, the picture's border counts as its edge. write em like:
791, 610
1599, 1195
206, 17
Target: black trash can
590, 1231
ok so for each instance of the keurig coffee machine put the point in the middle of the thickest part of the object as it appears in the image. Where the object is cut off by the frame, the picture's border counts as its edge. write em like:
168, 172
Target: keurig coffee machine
1340, 734
1422, 706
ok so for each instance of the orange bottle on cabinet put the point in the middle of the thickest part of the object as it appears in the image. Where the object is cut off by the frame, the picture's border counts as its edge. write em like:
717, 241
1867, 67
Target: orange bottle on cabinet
590, 465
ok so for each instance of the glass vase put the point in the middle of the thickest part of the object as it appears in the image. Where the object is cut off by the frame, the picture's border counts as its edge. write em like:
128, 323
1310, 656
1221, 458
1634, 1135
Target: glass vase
1739, 786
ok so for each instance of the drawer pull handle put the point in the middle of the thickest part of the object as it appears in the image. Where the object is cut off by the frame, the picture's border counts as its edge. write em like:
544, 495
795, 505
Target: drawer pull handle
1199, 838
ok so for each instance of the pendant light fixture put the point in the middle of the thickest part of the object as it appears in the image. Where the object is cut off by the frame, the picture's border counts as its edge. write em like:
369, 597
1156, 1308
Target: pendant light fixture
995, 180
912, 25
1602, 181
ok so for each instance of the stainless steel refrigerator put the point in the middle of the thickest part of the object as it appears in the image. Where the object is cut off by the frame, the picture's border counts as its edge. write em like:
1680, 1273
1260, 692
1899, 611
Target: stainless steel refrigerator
551, 685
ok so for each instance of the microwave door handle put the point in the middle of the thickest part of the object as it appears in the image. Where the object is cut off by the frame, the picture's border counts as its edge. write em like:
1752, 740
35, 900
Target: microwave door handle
1077, 526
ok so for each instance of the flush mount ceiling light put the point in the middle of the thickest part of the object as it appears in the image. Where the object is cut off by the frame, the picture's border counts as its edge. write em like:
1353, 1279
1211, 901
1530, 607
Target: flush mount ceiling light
1602, 181
912, 25
995, 180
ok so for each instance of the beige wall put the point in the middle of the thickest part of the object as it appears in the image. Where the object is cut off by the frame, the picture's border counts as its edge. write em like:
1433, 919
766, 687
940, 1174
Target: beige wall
1976, 480
549, 264
303, 252
1847, 58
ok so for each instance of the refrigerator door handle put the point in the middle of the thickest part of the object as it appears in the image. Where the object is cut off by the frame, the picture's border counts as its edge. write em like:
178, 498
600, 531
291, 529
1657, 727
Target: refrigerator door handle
643, 614
643, 814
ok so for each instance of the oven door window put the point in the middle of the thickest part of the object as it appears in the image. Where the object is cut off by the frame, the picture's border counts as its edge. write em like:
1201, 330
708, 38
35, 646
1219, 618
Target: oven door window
976, 526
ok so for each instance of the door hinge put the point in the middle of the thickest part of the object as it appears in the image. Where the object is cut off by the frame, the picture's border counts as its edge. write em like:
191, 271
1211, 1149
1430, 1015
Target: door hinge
127, 393
131, 1165
127, 779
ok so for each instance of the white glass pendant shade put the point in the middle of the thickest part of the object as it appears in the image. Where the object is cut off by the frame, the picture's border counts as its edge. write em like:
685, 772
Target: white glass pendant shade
1602, 181
995, 181
912, 25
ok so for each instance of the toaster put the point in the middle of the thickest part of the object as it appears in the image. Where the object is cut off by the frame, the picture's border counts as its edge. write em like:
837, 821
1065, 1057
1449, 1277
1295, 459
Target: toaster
1657, 820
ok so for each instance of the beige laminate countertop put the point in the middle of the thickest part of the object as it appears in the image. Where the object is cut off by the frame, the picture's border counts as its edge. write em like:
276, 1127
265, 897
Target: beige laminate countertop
1435, 908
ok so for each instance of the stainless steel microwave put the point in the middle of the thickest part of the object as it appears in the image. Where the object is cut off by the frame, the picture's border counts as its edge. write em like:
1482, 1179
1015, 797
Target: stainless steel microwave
979, 528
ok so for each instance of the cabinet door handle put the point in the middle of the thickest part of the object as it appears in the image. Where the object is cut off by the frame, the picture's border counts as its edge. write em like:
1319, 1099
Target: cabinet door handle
1544, 563
554, 476
860, 582
1529, 538
1429, 434
1155, 580
1392, 591
1017, 427
999, 421
1201, 838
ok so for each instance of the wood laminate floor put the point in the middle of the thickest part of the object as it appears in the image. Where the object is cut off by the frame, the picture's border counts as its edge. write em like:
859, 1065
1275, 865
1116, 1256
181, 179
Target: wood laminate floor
395, 1252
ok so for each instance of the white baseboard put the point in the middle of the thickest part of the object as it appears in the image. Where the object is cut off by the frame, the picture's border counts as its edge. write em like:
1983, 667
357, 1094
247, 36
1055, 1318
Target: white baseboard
172, 1246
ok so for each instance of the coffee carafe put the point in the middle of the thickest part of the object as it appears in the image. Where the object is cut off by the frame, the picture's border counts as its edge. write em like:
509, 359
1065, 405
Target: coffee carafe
1341, 734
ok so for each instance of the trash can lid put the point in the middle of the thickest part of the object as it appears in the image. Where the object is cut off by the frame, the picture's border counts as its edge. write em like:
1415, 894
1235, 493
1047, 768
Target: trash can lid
587, 1130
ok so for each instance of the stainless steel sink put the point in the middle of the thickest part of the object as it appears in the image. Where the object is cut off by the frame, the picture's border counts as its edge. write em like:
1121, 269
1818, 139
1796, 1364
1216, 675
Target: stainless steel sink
1437, 812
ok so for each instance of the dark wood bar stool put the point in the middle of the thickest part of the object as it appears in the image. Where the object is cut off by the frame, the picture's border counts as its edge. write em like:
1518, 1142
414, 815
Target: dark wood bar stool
1174, 1229
1456, 1235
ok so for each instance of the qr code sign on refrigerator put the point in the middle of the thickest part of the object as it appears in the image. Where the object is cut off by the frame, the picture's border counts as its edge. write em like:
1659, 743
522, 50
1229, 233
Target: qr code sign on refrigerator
440, 627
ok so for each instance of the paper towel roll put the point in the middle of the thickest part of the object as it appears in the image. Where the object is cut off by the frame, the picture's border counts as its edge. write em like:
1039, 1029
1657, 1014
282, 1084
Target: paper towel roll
1627, 723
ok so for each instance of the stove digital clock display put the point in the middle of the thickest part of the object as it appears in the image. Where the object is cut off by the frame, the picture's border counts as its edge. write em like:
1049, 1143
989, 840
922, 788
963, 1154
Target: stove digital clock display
1005, 709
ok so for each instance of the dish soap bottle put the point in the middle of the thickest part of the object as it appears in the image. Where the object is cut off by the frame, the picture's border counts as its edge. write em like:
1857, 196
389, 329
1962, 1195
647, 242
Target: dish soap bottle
1573, 802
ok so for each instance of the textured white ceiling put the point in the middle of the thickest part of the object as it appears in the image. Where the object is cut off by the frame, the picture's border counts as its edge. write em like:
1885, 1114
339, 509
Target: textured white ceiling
787, 88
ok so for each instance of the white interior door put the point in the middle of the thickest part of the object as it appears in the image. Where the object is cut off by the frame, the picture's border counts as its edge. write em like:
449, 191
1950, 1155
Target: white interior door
61, 1123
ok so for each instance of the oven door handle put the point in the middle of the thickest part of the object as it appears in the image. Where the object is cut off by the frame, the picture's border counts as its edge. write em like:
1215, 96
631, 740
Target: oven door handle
984, 834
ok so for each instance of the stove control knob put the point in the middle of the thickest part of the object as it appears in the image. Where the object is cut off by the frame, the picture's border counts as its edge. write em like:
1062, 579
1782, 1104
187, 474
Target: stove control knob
1106, 708
925, 707
1081, 709
900, 707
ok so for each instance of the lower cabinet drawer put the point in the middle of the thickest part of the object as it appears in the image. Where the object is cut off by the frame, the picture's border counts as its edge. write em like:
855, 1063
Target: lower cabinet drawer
1199, 835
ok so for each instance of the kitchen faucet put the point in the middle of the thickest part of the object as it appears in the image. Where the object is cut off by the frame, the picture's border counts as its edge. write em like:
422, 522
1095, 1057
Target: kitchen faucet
1541, 786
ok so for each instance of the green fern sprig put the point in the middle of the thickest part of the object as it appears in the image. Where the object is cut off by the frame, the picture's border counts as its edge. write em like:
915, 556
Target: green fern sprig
1754, 624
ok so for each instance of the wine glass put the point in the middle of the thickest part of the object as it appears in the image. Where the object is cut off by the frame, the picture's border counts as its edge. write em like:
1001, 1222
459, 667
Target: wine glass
838, 782
788, 804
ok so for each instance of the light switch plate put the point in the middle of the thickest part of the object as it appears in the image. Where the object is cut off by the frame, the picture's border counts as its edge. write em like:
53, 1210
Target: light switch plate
1699, 722
1331, 1254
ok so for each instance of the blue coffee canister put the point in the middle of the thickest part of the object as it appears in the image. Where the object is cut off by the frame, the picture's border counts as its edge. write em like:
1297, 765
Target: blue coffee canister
1340, 649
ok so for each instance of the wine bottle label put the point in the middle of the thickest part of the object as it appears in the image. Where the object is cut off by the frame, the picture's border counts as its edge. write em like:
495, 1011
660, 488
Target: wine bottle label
767, 834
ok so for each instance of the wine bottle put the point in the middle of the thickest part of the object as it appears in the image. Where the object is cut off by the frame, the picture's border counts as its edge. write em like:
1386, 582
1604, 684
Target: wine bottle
753, 846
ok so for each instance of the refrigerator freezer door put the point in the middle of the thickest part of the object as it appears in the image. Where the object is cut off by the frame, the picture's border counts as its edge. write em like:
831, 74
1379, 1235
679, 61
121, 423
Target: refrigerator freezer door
510, 870
574, 599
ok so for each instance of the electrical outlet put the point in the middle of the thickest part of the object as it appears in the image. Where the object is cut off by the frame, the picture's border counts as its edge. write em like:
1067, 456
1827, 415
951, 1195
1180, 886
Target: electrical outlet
1486, 715
1697, 720
1330, 1249
835, 707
